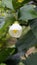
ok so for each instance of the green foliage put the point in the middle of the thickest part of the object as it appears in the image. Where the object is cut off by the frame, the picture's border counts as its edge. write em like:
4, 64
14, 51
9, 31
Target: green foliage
32, 60
29, 36
33, 26
2, 64
17, 4
4, 53
27, 12
24, 13
7, 3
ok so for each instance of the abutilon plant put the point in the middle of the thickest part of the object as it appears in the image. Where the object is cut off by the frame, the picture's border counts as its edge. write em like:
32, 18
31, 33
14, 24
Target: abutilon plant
18, 32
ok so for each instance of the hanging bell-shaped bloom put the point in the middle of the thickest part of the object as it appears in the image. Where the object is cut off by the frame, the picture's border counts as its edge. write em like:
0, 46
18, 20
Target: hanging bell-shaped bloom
15, 30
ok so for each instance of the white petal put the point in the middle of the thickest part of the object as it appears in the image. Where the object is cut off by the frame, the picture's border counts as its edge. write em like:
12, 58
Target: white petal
15, 27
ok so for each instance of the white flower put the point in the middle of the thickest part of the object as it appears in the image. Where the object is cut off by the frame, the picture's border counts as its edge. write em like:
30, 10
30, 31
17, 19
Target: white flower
15, 30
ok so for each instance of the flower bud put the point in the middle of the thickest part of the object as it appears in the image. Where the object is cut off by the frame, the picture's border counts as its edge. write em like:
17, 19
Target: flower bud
20, 1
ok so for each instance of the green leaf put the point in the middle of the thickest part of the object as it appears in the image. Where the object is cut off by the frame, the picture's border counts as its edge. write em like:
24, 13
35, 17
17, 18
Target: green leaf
26, 41
8, 4
32, 59
17, 4
27, 12
4, 53
33, 26
2, 22
6, 25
